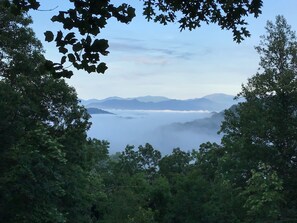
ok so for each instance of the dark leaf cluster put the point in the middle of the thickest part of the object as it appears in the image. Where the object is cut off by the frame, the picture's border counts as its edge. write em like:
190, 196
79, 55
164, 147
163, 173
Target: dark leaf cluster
228, 15
80, 46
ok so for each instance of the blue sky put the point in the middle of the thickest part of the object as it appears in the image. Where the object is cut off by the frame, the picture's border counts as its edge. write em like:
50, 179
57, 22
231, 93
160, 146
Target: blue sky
151, 59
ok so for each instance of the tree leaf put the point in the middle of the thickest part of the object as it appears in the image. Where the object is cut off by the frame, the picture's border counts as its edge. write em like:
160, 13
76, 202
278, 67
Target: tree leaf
63, 59
101, 68
71, 57
49, 36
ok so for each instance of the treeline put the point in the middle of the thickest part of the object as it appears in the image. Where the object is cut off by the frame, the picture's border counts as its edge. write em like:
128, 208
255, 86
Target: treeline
51, 172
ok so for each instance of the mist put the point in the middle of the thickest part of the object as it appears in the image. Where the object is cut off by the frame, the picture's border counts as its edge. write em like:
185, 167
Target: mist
137, 127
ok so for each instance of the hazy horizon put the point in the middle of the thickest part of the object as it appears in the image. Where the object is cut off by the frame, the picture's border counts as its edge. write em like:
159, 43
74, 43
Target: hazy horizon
137, 127
139, 96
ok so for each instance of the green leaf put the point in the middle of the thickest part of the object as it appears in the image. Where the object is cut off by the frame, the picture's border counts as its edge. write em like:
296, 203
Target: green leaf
34, 4
49, 36
58, 18
101, 68
63, 59
63, 50
59, 38
77, 47
69, 36
77, 56
91, 69
99, 45
68, 24
71, 57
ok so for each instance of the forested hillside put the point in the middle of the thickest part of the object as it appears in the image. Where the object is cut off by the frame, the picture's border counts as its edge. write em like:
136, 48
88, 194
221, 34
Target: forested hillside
51, 172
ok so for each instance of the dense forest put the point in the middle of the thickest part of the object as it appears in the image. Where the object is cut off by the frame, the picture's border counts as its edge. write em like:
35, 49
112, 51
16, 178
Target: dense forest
50, 171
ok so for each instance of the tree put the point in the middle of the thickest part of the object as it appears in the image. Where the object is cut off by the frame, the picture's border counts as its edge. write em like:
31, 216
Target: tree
176, 163
84, 51
48, 168
189, 194
131, 187
263, 195
145, 159
263, 129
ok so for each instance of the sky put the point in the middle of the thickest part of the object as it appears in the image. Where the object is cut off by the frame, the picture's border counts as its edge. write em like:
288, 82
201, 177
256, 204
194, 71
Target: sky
151, 59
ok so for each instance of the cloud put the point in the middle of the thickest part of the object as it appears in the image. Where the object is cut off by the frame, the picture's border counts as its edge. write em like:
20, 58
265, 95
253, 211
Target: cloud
132, 45
152, 60
147, 60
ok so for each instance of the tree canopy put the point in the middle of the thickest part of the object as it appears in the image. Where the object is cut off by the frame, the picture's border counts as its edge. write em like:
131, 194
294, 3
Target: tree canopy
48, 167
79, 41
260, 134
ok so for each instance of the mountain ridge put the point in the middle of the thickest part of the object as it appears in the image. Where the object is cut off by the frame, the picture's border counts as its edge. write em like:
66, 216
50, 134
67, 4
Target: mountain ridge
213, 102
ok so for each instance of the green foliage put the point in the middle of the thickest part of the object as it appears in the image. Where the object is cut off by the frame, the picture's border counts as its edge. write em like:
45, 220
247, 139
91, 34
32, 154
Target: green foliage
84, 50
208, 159
32, 183
263, 195
190, 14
145, 159
263, 129
189, 194
175, 164
223, 203
49, 171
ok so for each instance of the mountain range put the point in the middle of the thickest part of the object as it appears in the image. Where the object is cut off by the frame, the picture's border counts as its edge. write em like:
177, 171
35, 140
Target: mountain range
92, 111
213, 102
210, 125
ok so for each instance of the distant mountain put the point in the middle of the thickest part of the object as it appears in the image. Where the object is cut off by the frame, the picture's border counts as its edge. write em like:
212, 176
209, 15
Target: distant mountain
98, 111
113, 98
220, 98
225, 99
209, 125
171, 104
152, 98
206, 125
214, 102
91, 101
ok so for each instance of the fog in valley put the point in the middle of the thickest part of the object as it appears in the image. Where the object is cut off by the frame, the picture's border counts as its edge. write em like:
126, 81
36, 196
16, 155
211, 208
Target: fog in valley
162, 129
